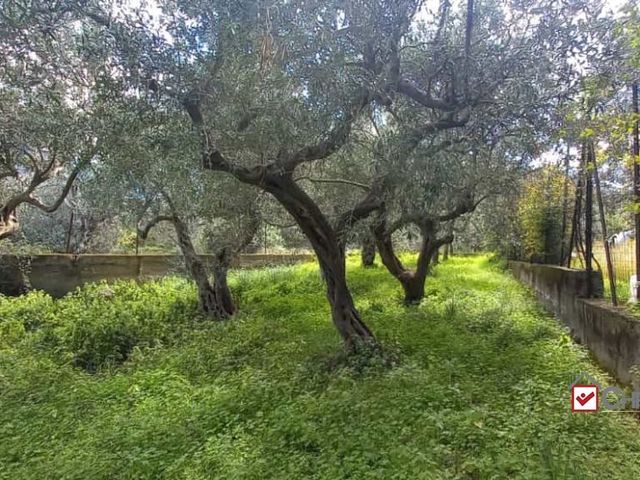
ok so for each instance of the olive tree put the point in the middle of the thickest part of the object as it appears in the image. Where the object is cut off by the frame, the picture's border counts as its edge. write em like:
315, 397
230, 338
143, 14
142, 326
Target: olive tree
153, 182
269, 90
50, 122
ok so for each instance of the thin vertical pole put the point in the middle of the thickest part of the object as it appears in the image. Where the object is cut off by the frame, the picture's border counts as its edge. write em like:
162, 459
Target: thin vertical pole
265, 237
575, 221
69, 231
603, 223
636, 181
565, 205
588, 218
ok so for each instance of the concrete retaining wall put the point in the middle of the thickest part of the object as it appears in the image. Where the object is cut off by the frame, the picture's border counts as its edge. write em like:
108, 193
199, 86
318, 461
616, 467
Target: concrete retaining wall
610, 333
60, 274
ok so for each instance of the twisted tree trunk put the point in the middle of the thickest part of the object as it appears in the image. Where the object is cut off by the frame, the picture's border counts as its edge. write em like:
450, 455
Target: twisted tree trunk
412, 281
220, 285
208, 296
331, 257
368, 254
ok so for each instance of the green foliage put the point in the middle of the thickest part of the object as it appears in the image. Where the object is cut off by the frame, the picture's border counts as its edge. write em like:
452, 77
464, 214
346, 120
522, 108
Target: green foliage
478, 386
100, 325
540, 211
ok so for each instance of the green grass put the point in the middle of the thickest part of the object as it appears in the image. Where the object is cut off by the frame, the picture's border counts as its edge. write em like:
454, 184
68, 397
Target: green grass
129, 382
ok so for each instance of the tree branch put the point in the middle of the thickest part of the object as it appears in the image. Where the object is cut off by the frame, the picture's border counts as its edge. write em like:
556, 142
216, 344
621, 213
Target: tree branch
334, 140
443, 241
65, 191
335, 180
424, 98
370, 203
143, 233
466, 205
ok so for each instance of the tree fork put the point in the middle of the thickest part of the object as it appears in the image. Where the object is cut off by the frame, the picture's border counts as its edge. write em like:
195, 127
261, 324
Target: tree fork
331, 257
209, 301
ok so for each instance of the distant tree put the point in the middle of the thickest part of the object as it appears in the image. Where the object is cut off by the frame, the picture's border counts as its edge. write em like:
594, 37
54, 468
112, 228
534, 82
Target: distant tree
540, 211
217, 208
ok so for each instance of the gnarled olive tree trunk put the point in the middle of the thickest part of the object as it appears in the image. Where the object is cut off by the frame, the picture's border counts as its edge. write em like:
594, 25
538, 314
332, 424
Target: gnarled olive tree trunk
220, 285
368, 254
209, 296
412, 281
331, 256
214, 299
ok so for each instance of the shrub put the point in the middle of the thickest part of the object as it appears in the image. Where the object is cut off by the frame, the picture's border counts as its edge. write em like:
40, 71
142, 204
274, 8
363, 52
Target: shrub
99, 325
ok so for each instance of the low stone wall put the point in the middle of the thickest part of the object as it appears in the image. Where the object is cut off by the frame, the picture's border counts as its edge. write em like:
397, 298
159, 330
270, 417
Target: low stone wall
59, 274
610, 333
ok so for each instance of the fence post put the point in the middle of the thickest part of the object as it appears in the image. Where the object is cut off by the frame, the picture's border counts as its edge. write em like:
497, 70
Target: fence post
603, 223
588, 217
636, 183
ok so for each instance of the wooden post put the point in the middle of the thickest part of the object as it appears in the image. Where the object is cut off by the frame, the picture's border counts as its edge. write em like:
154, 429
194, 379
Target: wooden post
588, 217
565, 205
574, 239
69, 232
265, 238
603, 223
636, 182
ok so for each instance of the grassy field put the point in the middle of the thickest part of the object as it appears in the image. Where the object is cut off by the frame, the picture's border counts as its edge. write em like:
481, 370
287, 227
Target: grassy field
128, 382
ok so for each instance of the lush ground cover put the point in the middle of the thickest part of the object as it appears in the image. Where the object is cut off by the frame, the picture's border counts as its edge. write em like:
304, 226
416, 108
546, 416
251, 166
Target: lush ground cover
128, 382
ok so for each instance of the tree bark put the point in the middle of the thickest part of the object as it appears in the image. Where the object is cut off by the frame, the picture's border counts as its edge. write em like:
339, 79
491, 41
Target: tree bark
413, 286
208, 297
331, 257
436, 257
221, 287
412, 282
368, 254
8, 222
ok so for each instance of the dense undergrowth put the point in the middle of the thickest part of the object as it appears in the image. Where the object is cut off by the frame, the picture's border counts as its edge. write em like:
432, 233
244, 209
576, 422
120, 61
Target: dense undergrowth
127, 381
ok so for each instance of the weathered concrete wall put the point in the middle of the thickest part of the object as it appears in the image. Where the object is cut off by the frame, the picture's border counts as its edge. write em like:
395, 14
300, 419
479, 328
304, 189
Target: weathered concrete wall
610, 333
60, 274
557, 287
